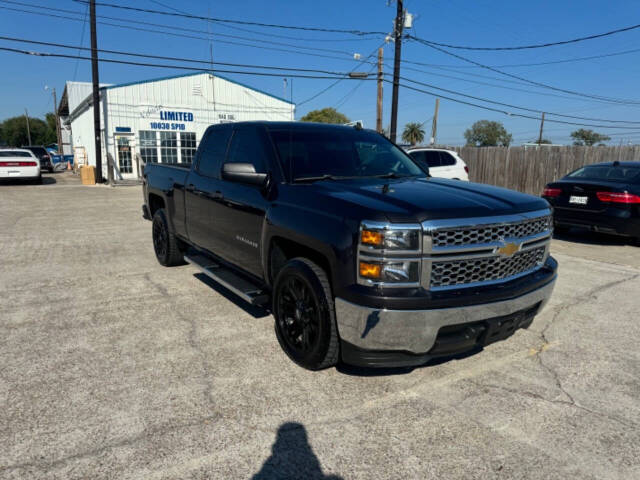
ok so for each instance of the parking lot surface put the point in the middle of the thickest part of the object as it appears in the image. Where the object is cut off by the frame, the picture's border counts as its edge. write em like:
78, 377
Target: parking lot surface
112, 366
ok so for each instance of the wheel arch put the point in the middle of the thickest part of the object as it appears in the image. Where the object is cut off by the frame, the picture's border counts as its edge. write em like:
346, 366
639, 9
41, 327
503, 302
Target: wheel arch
282, 249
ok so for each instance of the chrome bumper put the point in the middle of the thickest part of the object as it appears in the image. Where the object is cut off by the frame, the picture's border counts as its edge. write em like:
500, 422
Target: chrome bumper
415, 331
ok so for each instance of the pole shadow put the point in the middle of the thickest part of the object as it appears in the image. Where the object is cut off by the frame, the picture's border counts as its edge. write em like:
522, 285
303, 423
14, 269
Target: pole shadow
292, 457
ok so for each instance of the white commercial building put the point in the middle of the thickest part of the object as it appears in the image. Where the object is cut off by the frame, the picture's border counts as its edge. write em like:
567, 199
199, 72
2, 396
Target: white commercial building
159, 120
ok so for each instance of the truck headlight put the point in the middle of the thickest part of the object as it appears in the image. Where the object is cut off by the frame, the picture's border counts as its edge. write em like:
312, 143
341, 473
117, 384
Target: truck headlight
385, 237
390, 271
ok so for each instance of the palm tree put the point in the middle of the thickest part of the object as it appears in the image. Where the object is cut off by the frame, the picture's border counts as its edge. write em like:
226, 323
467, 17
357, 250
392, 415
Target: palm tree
413, 133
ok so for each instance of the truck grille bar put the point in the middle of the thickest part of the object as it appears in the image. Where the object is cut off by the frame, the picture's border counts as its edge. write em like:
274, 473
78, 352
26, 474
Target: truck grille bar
482, 251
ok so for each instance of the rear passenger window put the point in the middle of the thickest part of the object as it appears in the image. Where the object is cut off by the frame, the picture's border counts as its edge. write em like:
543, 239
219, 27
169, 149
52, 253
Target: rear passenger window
432, 158
212, 151
247, 146
447, 159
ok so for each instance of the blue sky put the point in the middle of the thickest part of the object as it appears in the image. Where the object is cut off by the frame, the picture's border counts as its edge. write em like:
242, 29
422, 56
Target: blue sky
477, 22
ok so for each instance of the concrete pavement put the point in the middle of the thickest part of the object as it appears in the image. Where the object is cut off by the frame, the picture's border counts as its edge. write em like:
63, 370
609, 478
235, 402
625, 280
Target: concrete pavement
112, 366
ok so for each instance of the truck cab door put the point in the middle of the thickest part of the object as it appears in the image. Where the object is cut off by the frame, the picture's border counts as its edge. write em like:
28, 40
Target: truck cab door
203, 195
245, 204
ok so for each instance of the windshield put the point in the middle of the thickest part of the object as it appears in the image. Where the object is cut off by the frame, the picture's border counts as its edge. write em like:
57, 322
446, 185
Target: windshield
14, 153
608, 173
308, 154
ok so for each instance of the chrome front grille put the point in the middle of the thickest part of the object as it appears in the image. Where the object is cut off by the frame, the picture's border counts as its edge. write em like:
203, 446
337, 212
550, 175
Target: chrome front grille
458, 253
490, 233
484, 269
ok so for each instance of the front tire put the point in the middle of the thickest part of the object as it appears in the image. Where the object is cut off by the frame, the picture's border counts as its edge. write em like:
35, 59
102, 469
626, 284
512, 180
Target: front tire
305, 320
165, 243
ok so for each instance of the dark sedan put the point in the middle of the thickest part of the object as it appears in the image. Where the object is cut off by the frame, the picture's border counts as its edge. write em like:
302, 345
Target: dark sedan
603, 197
43, 155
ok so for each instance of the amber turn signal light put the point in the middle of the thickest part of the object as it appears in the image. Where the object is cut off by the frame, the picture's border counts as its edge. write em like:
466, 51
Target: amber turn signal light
370, 270
369, 237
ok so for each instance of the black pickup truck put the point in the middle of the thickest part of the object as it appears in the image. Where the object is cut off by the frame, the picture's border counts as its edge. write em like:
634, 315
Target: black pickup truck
358, 253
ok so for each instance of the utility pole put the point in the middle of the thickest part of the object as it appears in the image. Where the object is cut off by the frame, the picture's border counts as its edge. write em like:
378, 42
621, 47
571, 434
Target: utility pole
96, 95
397, 34
434, 124
26, 115
380, 80
55, 112
541, 127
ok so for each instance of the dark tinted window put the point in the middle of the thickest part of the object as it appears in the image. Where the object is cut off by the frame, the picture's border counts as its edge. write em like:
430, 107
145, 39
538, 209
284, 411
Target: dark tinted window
247, 146
39, 151
429, 157
608, 173
13, 153
212, 150
447, 159
341, 153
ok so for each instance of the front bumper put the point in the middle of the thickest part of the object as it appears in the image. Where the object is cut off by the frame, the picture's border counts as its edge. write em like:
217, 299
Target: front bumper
381, 337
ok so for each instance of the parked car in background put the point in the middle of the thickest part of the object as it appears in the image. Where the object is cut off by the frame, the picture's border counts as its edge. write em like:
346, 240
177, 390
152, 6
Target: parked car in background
43, 155
603, 197
19, 164
442, 163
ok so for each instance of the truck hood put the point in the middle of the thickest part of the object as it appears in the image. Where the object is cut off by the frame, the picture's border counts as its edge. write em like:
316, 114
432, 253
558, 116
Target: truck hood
419, 199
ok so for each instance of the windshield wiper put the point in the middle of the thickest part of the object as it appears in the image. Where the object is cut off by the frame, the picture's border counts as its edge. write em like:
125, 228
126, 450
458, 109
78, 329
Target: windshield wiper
317, 178
391, 175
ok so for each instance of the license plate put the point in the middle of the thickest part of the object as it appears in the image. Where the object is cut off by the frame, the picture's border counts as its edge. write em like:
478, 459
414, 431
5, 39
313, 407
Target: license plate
578, 200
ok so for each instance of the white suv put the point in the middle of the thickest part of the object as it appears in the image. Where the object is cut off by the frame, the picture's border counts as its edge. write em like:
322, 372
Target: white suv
442, 163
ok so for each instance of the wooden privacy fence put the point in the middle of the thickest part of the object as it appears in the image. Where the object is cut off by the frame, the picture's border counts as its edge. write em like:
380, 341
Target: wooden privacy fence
529, 169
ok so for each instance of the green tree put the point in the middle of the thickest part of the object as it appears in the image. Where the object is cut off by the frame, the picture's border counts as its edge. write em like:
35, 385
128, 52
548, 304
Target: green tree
588, 137
486, 133
326, 115
13, 131
413, 133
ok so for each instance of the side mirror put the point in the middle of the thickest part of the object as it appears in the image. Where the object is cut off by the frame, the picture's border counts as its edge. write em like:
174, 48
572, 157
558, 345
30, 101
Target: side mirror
243, 173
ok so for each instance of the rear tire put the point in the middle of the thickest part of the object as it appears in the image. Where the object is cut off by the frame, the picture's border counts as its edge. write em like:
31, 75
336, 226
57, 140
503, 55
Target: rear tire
305, 320
165, 243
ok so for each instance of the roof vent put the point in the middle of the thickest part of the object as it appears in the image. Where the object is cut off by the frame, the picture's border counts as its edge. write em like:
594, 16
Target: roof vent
197, 90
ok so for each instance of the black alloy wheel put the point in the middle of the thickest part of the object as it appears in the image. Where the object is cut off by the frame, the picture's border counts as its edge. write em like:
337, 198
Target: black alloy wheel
304, 313
298, 317
166, 246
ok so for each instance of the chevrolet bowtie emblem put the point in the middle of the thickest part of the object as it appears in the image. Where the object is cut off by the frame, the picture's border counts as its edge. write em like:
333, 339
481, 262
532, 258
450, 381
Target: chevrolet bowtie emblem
508, 249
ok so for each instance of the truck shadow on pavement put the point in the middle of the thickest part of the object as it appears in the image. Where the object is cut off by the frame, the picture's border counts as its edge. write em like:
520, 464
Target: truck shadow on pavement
292, 456
389, 371
253, 310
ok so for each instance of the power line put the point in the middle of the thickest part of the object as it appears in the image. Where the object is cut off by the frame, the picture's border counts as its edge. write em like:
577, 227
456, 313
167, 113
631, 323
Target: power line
495, 102
511, 114
160, 57
550, 62
580, 94
84, 25
326, 89
174, 27
239, 22
269, 34
327, 72
538, 45
179, 67
165, 32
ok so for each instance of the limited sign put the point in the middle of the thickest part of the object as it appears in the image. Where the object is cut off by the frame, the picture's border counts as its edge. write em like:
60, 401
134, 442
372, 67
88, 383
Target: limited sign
172, 120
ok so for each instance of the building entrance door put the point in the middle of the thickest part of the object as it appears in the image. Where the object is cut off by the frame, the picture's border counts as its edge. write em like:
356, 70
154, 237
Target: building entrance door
127, 165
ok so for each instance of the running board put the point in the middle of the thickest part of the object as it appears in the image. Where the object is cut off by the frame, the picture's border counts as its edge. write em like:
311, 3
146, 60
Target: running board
245, 289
